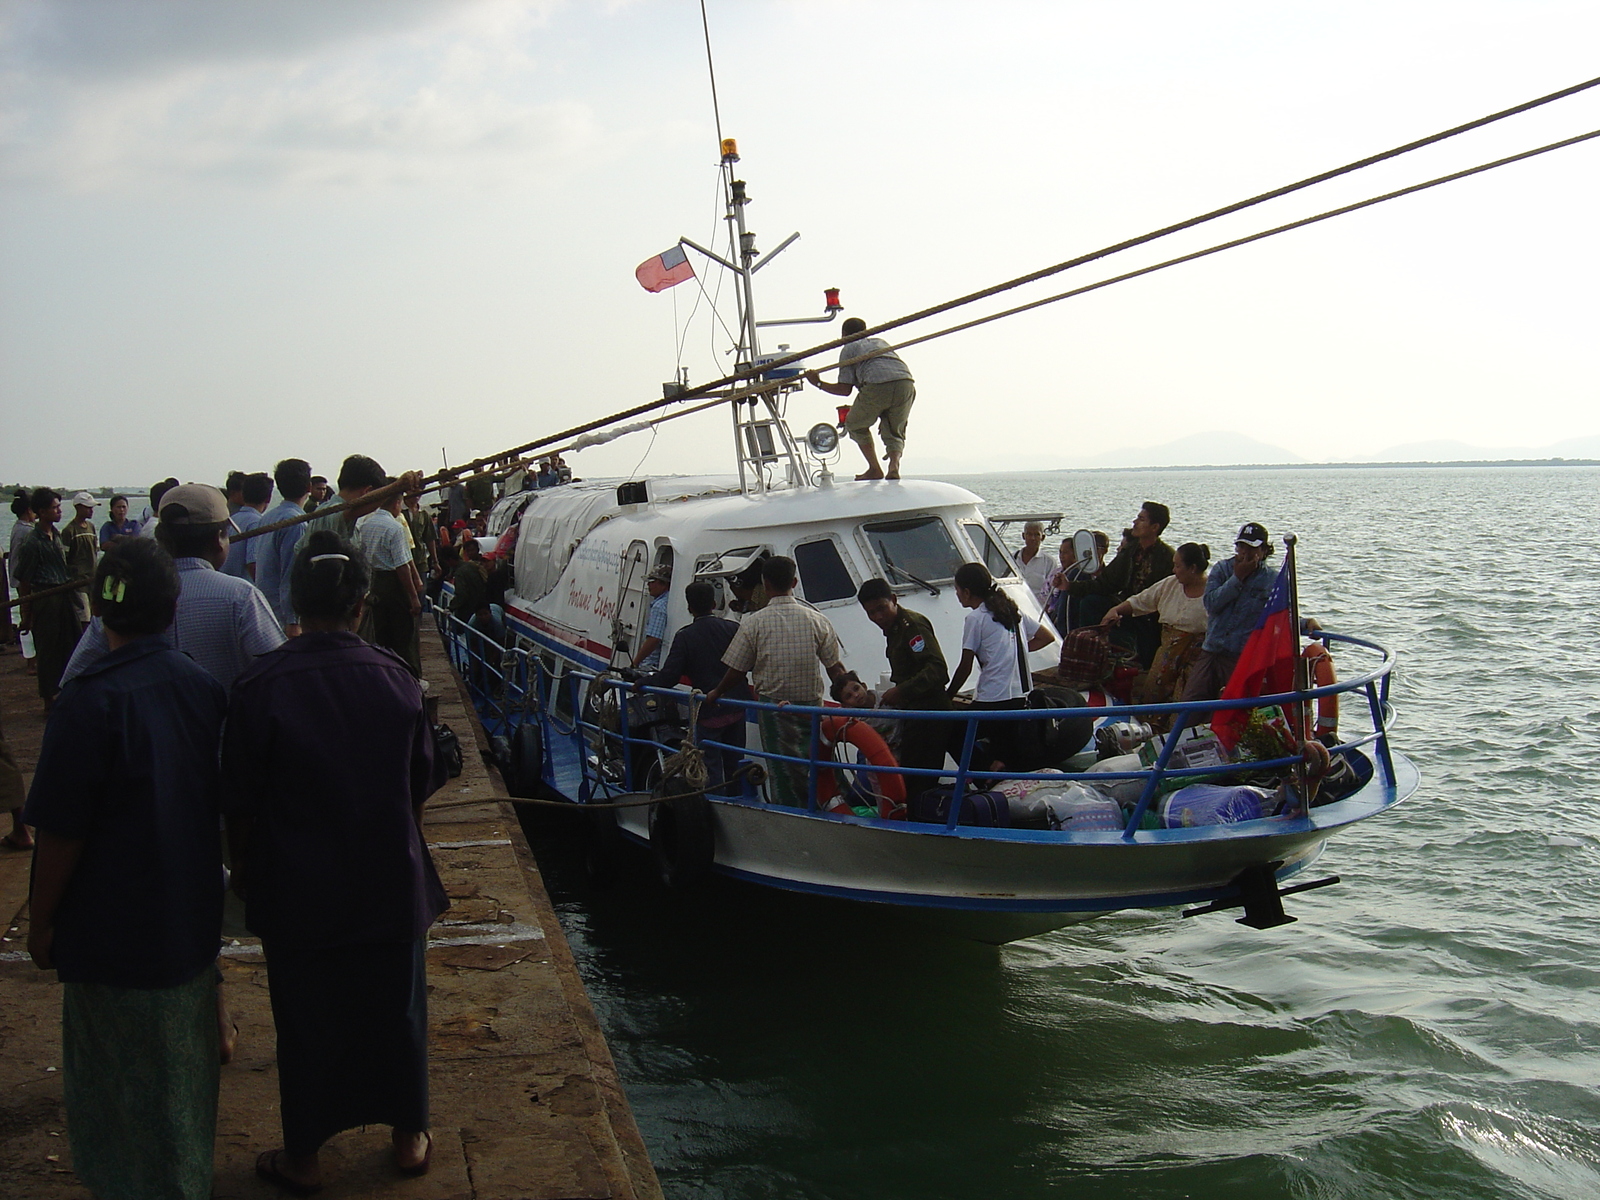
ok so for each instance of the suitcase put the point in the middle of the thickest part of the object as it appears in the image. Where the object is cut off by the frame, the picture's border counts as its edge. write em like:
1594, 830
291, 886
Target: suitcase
987, 809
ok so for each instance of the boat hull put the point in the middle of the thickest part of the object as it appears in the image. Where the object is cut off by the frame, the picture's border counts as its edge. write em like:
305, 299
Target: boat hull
1002, 884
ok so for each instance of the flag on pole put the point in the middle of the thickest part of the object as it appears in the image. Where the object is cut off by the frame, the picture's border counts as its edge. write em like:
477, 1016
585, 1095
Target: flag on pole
1266, 664
664, 270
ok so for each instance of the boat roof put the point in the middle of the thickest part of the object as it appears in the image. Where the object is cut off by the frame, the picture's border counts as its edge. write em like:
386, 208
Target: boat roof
718, 503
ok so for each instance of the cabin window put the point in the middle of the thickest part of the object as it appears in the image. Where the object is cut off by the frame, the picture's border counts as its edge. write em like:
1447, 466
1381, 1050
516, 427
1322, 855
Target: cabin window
919, 547
823, 575
990, 553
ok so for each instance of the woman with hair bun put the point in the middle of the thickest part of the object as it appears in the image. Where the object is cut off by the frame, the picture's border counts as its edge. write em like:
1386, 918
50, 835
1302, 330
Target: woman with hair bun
327, 762
1179, 602
993, 636
127, 890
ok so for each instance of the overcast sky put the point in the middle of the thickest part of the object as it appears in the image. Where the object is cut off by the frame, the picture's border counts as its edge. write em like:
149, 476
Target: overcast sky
231, 232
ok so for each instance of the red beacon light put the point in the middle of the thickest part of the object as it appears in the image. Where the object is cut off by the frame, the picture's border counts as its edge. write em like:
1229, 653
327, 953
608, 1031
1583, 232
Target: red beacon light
844, 415
830, 300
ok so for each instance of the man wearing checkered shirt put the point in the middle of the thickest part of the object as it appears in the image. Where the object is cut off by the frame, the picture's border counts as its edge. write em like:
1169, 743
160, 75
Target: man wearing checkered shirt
781, 645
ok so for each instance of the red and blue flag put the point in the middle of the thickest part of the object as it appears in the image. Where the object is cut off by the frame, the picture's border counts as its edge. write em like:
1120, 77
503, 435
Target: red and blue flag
665, 270
1266, 664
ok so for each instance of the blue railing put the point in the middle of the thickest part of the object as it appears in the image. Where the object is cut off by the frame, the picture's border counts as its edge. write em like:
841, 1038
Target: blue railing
512, 685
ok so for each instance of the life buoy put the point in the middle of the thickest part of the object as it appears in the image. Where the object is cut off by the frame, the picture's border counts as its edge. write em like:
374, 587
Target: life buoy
1320, 663
891, 787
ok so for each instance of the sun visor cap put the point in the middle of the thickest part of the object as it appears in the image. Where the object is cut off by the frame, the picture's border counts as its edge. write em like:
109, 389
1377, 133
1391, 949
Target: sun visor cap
194, 504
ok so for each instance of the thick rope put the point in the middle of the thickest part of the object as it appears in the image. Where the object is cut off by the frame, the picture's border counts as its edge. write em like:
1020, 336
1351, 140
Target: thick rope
753, 371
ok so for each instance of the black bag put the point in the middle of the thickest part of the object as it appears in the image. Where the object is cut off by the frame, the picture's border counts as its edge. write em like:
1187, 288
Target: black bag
988, 809
1049, 741
448, 747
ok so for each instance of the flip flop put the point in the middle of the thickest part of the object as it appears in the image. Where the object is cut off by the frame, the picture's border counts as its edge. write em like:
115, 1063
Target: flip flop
10, 840
420, 1168
267, 1168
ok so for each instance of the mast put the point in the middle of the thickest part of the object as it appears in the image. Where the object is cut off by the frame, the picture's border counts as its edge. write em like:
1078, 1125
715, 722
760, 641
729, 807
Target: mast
761, 434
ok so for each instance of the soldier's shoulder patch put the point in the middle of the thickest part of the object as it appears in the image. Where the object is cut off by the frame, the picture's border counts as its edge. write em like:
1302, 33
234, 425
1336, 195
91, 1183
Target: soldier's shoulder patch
919, 644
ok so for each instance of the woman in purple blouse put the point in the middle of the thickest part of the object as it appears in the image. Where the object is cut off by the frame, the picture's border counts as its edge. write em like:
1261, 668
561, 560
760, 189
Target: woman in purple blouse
327, 761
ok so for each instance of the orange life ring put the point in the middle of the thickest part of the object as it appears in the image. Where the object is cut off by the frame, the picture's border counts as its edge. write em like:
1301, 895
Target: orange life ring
891, 787
1321, 664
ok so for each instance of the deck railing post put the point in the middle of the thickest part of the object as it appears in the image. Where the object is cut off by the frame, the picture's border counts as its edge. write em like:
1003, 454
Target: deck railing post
813, 768
1377, 704
958, 790
1136, 818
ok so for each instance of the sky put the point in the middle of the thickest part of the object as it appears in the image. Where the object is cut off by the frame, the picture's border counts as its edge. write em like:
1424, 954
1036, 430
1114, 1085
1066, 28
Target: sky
235, 232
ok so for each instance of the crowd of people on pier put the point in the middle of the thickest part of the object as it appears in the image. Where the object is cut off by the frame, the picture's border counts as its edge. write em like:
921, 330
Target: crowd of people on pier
272, 683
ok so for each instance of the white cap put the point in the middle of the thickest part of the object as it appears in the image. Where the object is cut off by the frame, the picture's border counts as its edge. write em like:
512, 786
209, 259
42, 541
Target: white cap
86, 500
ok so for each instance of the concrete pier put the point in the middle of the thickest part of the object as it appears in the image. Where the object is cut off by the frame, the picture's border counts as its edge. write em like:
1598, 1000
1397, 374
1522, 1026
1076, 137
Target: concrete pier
525, 1097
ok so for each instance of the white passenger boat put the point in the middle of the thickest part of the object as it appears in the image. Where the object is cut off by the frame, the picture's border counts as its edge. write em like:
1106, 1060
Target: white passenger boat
576, 613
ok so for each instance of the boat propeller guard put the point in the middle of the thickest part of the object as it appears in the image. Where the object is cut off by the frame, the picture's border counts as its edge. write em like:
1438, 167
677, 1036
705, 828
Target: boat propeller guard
1261, 897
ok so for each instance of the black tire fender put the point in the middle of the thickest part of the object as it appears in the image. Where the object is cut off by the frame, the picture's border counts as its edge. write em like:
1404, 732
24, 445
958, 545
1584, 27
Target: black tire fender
682, 835
526, 776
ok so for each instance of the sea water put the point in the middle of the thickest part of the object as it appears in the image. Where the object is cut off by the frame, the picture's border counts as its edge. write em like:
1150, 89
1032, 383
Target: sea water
1429, 1028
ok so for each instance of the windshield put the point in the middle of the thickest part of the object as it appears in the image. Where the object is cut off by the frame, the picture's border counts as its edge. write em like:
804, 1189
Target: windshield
996, 559
919, 547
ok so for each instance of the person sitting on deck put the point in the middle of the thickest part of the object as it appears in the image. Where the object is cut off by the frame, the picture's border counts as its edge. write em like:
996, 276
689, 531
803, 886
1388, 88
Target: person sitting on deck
781, 646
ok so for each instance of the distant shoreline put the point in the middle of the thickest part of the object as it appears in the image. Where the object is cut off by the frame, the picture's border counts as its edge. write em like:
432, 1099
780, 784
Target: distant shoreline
1327, 466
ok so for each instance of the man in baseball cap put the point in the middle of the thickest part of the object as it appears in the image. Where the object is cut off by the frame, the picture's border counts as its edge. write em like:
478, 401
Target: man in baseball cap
655, 623
81, 542
1236, 595
223, 622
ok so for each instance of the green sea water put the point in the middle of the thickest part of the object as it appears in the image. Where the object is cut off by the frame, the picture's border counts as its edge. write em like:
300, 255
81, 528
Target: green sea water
1429, 1028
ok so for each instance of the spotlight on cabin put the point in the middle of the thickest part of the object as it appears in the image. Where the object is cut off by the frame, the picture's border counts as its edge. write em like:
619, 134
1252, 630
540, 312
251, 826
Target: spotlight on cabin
823, 439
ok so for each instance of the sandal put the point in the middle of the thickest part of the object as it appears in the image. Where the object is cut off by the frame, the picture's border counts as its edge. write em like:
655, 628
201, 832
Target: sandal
420, 1168
267, 1168
16, 843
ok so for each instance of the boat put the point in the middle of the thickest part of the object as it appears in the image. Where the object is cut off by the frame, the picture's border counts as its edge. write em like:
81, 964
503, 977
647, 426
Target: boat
568, 724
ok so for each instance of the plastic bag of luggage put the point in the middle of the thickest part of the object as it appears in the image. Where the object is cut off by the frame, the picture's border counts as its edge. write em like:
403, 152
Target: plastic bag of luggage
988, 809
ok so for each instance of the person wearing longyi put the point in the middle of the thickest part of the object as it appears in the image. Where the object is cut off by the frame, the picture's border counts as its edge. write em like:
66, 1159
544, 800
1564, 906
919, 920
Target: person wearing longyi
781, 647
327, 761
884, 391
126, 898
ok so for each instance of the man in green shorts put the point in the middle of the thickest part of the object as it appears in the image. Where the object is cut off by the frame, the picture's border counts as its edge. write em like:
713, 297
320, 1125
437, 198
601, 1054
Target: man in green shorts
885, 393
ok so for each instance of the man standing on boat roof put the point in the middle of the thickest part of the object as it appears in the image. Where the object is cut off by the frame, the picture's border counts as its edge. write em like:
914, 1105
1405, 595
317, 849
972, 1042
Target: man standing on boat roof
781, 646
918, 671
655, 621
885, 393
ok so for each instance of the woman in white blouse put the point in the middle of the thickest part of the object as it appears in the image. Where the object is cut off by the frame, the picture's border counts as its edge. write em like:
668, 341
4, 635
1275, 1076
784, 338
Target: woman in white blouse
993, 636
1179, 601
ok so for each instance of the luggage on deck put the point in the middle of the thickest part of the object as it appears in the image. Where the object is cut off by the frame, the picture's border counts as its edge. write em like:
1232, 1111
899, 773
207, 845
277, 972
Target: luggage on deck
987, 809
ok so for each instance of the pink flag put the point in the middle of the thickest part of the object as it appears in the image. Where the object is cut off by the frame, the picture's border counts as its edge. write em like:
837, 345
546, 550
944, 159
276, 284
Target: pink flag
664, 270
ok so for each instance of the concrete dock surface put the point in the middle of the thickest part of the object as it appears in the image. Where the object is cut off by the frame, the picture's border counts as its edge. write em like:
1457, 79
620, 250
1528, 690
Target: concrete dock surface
525, 1099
